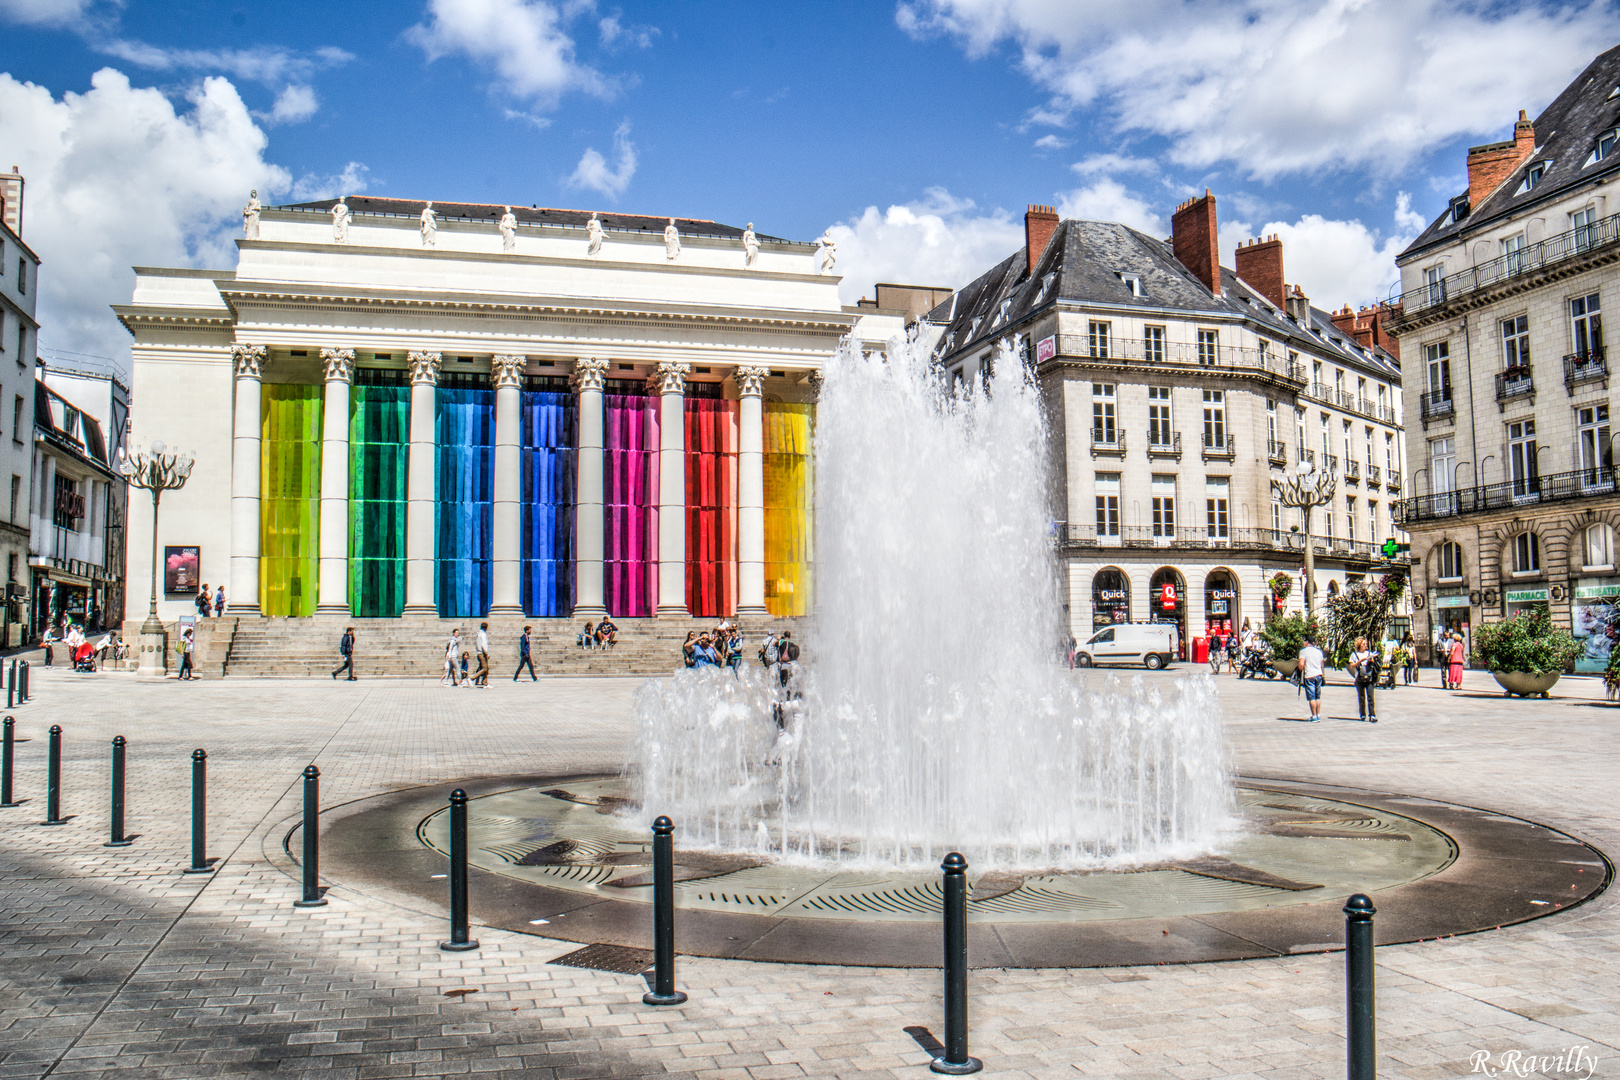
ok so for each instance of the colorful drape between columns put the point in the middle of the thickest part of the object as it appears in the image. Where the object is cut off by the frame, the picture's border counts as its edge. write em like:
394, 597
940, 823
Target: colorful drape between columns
289, 510
711, 506
550, 441
465, 494
379, 448
629, 510
789, 506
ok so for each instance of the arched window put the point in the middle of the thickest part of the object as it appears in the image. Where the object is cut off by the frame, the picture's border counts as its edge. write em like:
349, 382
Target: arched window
1110, 597
1526, 553
1599, 545
1450, 561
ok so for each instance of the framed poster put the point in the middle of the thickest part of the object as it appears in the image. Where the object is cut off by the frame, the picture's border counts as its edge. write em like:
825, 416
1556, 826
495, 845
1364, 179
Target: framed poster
180, 569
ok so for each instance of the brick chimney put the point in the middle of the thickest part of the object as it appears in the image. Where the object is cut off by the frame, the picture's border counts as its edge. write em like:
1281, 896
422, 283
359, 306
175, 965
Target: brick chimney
1298, 307
1366, 327
11, 199
1192, 238
1040, 222
1260, 263
1493, 163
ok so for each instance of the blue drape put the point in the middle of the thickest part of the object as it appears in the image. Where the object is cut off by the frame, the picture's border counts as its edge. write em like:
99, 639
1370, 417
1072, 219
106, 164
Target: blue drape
549, 440
464, 489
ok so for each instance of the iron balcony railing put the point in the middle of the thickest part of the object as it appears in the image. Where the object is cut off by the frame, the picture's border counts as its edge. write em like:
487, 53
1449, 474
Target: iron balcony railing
1161, 444
1437, 404
1320, 392
1108, 440
1352, 470
1372, 474
1585, 367
1547, 254
1224, 446
1203, 537
1394, 480
1306, 455
1509, 494
1515, 382
1330, 463
1277, 451
1179, 353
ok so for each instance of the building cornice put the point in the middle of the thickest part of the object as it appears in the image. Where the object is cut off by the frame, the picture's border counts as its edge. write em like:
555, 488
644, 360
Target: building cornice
157, 315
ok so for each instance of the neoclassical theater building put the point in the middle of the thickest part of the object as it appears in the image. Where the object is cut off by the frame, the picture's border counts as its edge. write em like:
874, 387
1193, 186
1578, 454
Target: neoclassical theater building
450, 414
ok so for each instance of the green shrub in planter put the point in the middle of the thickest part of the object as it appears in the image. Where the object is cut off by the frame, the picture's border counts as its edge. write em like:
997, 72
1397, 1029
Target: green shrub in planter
1528, 642
1286, 635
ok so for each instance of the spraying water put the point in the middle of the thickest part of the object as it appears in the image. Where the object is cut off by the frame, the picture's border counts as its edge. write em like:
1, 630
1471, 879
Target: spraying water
930, 712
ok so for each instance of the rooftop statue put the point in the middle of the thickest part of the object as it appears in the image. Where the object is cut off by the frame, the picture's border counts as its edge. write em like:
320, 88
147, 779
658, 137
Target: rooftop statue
593, 234
829, 253
750, 246
430, 226
250, 216
508, 230
340, 220
672, 240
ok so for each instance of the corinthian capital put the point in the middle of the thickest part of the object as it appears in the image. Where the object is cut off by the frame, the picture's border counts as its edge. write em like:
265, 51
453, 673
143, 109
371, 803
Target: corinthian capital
425, 367
508, 370
249, 360
589, 374
751, 380
339, 364
670, 378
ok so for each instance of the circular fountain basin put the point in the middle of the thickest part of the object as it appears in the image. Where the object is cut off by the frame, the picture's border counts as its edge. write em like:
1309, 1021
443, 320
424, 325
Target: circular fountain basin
558, 858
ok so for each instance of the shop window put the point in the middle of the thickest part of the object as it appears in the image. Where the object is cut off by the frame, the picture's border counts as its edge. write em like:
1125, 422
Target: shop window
1526, 554
1110, 597
1599, 547
1450, 562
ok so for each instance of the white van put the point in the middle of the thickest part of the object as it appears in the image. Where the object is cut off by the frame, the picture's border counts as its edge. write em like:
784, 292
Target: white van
1128, 643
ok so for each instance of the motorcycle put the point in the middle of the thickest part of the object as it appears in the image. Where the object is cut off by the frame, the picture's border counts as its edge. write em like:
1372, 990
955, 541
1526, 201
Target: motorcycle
1254, 663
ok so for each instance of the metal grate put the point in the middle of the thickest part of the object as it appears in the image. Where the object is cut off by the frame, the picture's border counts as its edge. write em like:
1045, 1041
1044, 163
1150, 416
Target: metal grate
619, 959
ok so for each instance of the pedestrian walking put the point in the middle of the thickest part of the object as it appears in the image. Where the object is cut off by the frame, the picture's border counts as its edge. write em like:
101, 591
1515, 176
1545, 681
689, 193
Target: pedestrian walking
1215, 650
1409, 650
452, 653
1313, 673
481, 645
1458, 656
219, 601
204, 602
1364, 665
524, 660
184, 648
346, 650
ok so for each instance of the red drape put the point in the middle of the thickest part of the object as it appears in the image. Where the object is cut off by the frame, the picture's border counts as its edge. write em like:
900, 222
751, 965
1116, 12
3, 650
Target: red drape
711, 507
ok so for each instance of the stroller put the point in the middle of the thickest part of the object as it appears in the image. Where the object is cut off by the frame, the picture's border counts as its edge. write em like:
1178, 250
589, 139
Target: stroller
84, 657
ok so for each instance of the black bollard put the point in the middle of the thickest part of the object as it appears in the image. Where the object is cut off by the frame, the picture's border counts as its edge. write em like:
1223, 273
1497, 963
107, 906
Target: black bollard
312, 840
1362, 1041
117, 839
22, 683
955, 1060
53, 780
11, 685
459, 941
199, 813
8, 756
663, 991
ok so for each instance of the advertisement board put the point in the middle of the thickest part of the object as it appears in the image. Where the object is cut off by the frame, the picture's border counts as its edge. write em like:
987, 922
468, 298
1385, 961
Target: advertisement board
180, 569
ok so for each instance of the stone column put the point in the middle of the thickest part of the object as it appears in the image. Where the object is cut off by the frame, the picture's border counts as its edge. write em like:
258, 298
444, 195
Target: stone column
671, 381
422, 469
751, 492
334, 574
589, 593
507, 573
243, 597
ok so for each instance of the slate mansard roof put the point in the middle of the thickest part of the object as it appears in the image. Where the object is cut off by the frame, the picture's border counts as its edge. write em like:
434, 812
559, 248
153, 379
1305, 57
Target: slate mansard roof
1086, 263
1566, 136
529, 215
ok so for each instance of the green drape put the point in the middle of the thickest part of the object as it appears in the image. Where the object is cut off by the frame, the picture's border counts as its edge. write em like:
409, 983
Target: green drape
290, 499
379, 446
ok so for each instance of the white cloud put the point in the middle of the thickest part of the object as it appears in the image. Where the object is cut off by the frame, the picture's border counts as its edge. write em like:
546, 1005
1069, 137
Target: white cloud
117, 177
1108, 200
1051, 142
593, 172
1276, 86
294, 104
617, 35
44, 12
523, 40
1114, 165
938, 240
1335, 262
268, 64
1407, 219
351, 181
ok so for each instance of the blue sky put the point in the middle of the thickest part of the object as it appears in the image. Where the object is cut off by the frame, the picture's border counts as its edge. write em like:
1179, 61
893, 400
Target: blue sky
918, 131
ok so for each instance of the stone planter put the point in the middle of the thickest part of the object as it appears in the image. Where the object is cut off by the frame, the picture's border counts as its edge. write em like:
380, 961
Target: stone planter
1285, 668
1523, 684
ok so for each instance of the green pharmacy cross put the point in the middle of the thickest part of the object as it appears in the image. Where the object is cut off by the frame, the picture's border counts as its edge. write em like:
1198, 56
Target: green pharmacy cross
1392, 548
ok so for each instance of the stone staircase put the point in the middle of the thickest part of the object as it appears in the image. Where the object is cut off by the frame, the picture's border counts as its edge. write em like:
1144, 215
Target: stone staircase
414, 647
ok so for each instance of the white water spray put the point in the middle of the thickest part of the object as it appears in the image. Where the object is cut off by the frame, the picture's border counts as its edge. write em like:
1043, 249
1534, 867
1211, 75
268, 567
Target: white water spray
935, 714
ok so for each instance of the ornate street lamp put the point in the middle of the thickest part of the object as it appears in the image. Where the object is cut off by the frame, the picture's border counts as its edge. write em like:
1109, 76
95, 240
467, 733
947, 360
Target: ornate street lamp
157, 470
1305, 488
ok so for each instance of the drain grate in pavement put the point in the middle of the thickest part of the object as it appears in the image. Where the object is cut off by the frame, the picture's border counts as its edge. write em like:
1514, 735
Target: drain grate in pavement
619, 959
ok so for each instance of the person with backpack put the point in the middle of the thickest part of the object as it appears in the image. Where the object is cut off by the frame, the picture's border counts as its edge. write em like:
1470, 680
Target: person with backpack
346, 650
1364, 666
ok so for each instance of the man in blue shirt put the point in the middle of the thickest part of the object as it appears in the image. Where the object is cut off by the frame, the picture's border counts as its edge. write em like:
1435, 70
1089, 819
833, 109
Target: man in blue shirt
346, 650
523, 657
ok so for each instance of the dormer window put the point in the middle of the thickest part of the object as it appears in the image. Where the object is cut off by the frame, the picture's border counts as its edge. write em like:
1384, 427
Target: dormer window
1534, 176
973, 327
1605, 144
1459, 208
1613, 93
1046, 285
1001, 315
1133, 282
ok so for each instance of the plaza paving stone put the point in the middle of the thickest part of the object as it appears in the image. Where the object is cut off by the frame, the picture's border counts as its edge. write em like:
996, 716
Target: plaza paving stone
115, 964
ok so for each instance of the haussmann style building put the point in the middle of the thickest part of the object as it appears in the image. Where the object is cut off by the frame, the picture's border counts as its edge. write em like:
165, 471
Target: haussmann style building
1177, 390
1509, 432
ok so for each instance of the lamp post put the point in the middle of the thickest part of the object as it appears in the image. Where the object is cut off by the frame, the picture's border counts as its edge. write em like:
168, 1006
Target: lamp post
157, 470
1306, 487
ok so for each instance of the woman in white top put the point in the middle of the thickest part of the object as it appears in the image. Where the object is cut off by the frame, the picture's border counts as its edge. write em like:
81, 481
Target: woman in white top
1364, 668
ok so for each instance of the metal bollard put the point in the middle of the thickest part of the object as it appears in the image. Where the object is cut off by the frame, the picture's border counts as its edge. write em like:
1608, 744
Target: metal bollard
312, 840
459, 941
199, 813
117, 839
1362, 1040
53, 780
663, 991
11, 685
955, 1061
22, 683
8, 756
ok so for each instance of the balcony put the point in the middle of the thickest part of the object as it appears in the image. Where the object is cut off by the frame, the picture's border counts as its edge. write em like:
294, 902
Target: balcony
1393, 481
1107, 441
1556, 256
1508, 495
1124, 352
1304, 456
1330, 463
1436, 405
1320, 392
1514, 383
1586, 367
1372, 476
1219, 446
1200, 538
1164, 445
1386, 413
1352, 470
1277, 452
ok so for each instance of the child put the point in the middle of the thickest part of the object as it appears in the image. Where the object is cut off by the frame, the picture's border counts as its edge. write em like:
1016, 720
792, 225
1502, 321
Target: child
464, 676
